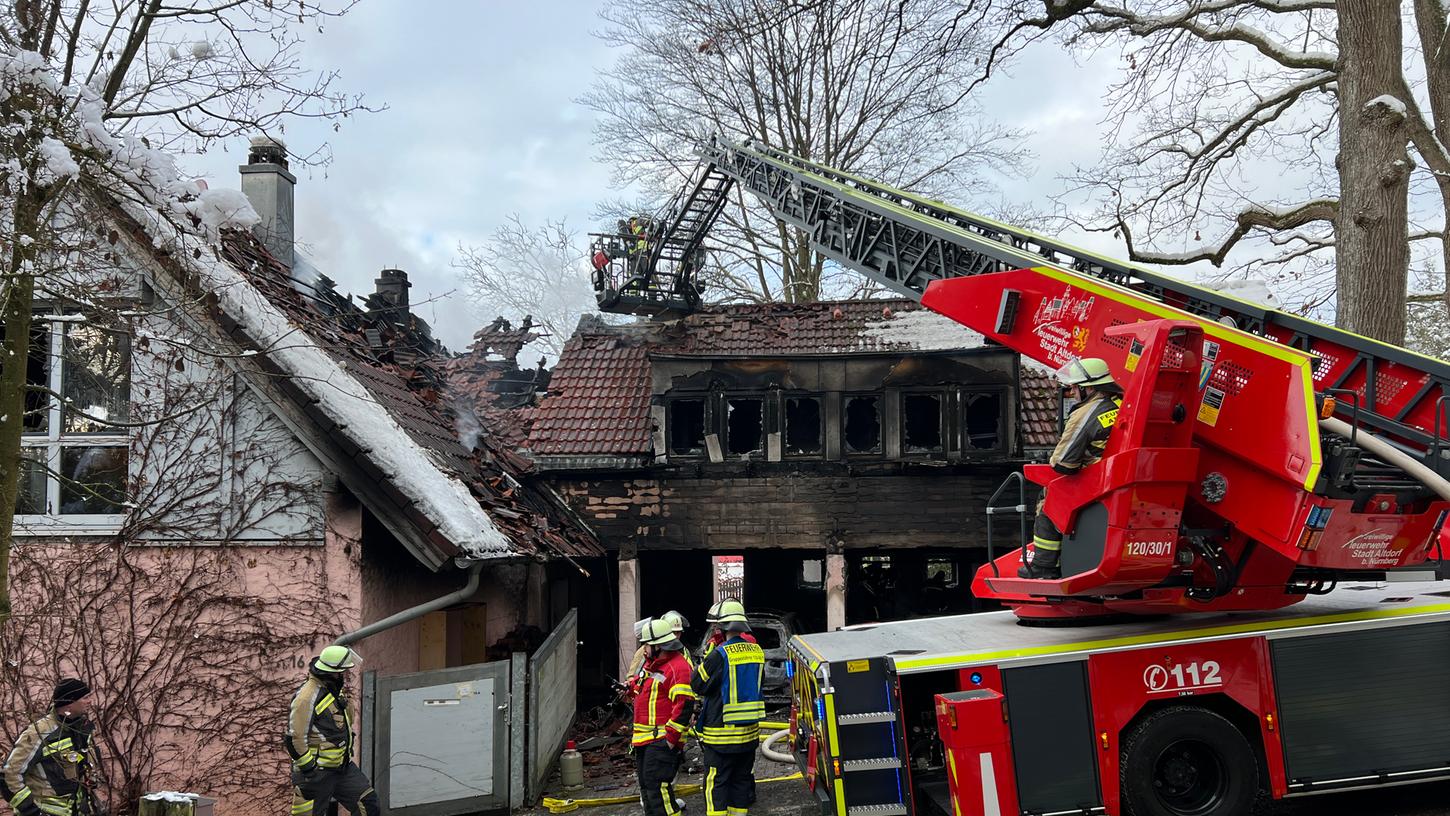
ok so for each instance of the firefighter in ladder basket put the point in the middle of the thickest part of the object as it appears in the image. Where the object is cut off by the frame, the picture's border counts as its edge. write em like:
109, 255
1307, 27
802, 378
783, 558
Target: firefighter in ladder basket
1084, 436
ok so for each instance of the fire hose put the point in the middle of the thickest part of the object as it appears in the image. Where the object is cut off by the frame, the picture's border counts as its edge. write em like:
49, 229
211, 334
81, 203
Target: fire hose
769, 752
766, 748
568, 805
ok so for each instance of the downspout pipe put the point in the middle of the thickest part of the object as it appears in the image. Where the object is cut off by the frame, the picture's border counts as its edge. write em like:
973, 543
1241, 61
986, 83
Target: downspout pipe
1390, 455
418, 611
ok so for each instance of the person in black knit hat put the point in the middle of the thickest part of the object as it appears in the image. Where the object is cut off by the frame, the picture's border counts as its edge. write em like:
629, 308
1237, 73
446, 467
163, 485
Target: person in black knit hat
50, 770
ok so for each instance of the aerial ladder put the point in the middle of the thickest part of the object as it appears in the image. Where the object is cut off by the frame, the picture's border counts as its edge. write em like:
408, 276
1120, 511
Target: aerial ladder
1260, 457
655, 272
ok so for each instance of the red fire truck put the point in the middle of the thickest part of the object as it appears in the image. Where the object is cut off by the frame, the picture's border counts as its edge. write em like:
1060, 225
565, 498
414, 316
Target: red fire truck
1259, 461
979, 716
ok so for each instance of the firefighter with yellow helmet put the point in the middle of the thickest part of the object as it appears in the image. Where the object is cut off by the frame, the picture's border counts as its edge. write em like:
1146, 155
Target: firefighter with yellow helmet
663, 704
1084, 437
717, 635
729, 683
320, 741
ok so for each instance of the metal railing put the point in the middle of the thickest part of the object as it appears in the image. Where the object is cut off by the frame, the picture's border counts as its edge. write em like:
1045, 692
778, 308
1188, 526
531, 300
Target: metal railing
994, 509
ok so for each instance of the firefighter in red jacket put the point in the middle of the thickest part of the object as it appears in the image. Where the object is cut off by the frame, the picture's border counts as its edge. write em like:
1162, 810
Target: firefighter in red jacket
717, 632
662, 710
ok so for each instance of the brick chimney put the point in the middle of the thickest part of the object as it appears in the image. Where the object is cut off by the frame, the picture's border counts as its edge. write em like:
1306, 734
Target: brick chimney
269, 187
391, 287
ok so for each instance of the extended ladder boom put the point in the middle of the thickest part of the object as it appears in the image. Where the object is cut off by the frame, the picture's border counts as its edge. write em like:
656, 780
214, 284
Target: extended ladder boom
906, 242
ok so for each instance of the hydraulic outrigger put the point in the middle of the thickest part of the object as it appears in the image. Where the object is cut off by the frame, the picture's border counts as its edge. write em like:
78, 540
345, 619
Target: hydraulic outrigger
1262, 456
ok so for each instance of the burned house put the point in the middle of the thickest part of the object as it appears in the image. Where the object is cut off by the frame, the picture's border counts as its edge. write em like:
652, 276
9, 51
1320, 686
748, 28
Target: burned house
226, 464
843, 452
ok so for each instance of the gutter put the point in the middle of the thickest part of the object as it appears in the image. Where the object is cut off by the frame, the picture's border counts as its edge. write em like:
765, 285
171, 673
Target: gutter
418, 611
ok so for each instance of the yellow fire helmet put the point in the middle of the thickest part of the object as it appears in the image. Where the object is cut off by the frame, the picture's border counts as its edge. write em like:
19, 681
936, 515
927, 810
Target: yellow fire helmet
337, 659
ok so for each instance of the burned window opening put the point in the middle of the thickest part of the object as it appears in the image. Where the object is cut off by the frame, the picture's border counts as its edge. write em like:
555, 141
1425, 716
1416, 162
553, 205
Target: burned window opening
921, 423
983, 417
941, 573
745, 426
802, 426
812, 574
687, 427
862, 429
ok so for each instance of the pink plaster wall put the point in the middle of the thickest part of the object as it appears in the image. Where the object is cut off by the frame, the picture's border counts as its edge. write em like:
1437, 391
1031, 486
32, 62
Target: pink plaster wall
392, 581
304, 594
183, 704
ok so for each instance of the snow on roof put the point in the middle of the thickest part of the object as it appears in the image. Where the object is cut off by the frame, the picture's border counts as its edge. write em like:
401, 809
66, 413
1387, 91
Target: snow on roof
443, 498
923, 330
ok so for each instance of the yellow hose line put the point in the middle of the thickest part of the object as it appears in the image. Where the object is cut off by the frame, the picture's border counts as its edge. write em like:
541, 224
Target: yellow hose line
568, 805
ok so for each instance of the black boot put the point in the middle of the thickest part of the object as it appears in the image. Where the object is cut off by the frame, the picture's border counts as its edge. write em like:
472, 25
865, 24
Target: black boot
1043, 566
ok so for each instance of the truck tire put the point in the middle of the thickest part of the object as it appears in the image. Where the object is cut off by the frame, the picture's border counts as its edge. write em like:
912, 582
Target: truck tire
1187, 761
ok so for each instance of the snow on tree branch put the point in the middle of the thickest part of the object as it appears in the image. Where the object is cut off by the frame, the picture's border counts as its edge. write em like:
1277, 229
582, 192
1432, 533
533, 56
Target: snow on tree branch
1256, 217
1119, 19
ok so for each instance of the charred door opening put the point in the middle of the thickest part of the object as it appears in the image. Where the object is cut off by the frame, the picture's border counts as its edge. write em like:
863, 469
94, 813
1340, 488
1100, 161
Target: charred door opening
862, 425
790, 582
678, 580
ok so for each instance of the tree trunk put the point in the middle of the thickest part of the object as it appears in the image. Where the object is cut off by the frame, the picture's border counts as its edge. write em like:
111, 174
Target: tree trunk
19, 292
1430, 19
1372, 253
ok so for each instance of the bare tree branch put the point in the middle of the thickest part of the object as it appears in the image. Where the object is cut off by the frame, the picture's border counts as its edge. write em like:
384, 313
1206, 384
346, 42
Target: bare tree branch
1250, 219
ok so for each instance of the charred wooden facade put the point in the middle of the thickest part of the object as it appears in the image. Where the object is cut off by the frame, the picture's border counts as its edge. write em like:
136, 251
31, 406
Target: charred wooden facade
844, 450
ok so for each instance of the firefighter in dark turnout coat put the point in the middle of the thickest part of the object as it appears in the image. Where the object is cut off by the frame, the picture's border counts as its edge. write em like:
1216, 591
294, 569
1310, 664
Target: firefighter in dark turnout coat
718, 635
728, 682
48, 772
1084, 437
319, 740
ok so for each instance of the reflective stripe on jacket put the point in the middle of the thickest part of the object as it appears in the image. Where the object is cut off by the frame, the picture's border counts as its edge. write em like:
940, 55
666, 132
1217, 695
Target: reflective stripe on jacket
717, 637
319, 725
1085, 434
48, 765
664, 699
729, 682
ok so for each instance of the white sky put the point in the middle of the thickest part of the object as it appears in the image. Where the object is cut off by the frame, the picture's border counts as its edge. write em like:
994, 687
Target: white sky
481, 122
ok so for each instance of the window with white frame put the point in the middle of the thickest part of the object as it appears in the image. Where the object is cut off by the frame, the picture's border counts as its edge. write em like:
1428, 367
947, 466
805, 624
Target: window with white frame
75, 453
